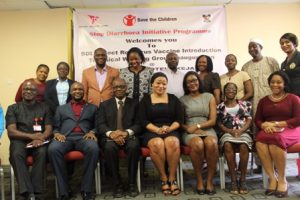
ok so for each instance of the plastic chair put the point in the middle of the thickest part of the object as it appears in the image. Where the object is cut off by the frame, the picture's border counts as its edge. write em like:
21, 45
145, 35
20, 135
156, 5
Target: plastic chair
29, 162
75, 156
2, 182
186, 150
145, 152
122, 154
222, 165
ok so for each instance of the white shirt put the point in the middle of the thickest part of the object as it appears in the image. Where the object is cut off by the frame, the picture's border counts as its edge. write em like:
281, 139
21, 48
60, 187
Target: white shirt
130, 132
175, 81
62, 88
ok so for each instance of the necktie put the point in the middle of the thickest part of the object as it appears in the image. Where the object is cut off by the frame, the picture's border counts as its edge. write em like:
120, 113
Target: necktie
119, 116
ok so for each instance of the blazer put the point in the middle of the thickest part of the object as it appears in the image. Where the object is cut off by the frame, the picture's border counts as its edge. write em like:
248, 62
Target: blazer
50, 94
65, 120
107, 116
292, 69
92, 93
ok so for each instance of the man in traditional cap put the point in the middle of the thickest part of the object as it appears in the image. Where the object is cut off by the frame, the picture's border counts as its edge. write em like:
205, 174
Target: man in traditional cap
259, 68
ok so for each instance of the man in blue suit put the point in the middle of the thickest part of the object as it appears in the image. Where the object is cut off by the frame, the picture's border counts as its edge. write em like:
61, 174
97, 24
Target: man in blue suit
74, 129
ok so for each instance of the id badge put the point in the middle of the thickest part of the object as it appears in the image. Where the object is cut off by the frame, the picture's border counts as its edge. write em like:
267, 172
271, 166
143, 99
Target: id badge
37, 128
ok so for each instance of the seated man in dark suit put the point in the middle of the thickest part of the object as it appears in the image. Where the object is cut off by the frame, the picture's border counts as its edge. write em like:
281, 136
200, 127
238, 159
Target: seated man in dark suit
57, 90
29, 125
74, 129
118, 127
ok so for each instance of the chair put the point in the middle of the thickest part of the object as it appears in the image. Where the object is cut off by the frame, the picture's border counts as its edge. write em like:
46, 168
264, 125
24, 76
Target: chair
29, 162
186, 150
2, 182
145, 152
122, 154
75, 156
222, 165
292, 149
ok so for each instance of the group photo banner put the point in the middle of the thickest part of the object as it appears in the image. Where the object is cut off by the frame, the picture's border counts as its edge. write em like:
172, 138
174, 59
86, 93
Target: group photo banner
189, 31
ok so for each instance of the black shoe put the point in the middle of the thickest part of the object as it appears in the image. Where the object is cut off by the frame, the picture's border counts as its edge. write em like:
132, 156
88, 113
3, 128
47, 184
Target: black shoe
30, 196
258, 170
210, 192
63, 197
132, 190
87, 196
200, 191
118, 191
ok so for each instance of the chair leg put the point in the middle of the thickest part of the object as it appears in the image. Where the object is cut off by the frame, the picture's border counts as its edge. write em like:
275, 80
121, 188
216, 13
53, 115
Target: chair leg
222, 172
181, 174
252, 162
265, 178
2, 183
56, 188
178, 175
98, 179
138, 177
12, 183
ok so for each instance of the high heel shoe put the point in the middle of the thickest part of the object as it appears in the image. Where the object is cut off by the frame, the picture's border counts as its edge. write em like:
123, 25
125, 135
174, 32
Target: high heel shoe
270, 192
280, 194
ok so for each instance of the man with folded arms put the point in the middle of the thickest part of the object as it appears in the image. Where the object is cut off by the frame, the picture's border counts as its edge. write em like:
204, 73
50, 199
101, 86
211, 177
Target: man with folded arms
74, 129
118, 127
29, 125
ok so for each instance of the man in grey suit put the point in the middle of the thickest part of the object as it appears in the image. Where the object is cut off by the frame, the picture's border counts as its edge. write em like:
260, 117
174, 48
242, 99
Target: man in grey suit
118, 128
74, 129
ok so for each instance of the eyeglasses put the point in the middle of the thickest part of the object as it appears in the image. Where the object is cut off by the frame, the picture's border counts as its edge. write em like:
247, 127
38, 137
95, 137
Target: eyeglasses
115, 87
29, 89
191, 81
230, 90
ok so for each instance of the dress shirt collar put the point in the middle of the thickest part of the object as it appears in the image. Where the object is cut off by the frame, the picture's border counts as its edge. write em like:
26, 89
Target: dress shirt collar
104, 69
66, 80
73, 102
117, 100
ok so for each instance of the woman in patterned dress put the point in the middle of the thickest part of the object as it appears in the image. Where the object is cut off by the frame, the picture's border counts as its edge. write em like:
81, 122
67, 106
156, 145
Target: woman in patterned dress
234, 119
136, 76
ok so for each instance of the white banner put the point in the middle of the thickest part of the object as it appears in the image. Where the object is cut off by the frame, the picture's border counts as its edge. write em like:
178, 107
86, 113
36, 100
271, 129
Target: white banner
190, 32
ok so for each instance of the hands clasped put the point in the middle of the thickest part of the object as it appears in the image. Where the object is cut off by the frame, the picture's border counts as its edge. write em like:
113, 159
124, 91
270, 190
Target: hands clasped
119, 137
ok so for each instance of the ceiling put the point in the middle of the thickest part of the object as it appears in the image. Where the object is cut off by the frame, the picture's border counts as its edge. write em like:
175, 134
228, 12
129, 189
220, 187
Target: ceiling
48, 4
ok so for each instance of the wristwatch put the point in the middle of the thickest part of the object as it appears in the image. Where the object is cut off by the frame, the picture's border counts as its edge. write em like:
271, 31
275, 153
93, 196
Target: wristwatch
198, 126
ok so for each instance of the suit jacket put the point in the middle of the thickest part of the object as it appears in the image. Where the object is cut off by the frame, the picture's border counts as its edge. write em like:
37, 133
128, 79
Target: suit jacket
92, 93
107, 116
292, 69
65, 120
51, 94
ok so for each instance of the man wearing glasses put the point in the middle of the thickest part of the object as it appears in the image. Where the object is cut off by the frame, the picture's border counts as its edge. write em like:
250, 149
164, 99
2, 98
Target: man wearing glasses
29, 125
118, 129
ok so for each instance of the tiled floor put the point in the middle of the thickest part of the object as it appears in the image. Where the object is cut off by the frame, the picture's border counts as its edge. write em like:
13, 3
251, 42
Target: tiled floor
151, 185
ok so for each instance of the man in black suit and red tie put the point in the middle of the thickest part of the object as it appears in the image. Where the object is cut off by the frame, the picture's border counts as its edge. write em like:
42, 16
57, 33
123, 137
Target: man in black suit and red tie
118, 127
74, 129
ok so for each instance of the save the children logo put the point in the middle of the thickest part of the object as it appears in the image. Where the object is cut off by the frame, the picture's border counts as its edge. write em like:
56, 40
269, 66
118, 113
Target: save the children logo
129, 20
93, 18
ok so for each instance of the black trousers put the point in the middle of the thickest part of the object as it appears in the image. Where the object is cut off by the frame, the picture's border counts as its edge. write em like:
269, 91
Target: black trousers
132, 149
31, 182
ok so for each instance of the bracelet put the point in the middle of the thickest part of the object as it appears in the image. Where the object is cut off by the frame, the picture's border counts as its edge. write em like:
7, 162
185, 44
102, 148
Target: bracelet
198, 126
